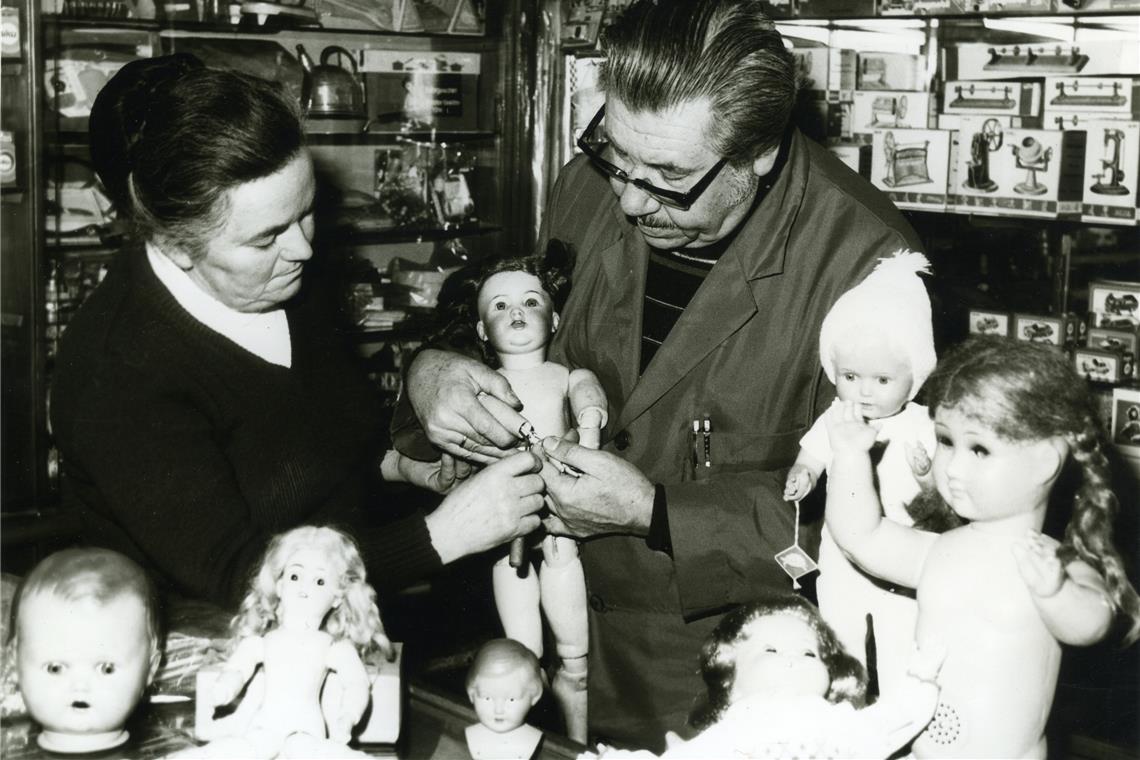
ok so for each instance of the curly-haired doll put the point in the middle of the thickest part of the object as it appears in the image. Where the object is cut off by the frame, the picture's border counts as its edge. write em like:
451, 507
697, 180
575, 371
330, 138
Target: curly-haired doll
780, 685
1018, 436
309, 612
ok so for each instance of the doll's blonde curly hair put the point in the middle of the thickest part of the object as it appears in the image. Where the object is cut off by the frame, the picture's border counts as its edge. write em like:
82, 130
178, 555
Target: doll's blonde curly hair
356, 618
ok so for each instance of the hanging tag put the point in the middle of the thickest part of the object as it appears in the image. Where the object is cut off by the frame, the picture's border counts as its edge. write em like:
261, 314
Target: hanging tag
795, 561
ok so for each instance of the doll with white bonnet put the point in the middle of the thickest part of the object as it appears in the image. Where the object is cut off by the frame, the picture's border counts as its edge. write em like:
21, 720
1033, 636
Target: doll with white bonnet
877, 346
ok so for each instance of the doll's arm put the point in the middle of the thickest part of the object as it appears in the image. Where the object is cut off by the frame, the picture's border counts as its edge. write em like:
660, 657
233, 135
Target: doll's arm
355, 691
802, 476
881, 547
238, 669
899, 716
588, 405
1072, 600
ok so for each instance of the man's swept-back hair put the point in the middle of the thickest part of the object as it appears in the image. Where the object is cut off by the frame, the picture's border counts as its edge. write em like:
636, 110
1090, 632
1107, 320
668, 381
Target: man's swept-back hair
661, 53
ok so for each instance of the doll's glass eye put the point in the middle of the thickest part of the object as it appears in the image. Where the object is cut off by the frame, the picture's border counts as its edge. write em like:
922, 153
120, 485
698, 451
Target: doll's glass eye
499, 305
981, 452
884, 380
53, 668
532, 302
320, 581
770, 650
810, 654
106, 668
849, 376
294, 577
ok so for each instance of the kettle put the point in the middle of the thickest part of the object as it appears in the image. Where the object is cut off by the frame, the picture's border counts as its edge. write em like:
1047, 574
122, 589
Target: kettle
331, 91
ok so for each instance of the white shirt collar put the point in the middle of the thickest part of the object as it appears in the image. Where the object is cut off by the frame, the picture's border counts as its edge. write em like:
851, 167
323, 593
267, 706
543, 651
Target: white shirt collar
265, 335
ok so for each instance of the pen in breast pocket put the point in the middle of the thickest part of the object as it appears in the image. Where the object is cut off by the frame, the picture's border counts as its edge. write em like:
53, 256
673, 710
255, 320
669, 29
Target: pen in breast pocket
708, 442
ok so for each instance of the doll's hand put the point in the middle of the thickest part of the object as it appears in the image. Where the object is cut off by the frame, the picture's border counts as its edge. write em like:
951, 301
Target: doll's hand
921, 465
799, 483
1037, 561
340, 728
442, 388
846, 428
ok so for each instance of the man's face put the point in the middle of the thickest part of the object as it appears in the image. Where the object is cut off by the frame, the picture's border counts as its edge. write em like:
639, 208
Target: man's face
83, 665
670, 149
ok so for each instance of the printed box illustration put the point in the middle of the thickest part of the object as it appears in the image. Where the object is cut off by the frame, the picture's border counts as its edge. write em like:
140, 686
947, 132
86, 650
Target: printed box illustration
989, 322
996, 98
879, 109
912, 166
1112, 165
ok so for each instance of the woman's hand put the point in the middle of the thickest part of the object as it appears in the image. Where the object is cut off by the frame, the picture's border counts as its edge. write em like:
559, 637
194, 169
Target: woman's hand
847, 430
442, 387
490, 508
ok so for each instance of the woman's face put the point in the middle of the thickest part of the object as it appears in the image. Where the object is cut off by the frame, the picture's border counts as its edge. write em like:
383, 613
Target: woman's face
253, 262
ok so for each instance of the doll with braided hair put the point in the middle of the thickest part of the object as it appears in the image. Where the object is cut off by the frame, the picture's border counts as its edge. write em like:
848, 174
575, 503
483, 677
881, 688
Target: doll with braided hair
1018, 441
309, 612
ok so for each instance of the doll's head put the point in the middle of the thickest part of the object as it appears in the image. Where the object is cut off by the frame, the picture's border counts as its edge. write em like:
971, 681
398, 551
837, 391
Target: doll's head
313, 575
503, 683
511, 302
877, 343
86, 637
1017, 428
778, 647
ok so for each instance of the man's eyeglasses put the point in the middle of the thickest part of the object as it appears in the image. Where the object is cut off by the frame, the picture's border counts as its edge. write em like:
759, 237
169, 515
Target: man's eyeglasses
593, 147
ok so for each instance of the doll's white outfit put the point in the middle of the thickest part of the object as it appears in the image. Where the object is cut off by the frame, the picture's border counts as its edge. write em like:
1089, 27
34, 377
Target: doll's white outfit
844, 592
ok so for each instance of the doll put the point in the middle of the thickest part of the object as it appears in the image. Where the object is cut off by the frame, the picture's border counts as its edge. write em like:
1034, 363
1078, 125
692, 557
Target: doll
87, 645
781, 685
309, 612
513, 304
876, 345
1018, 437
503, 683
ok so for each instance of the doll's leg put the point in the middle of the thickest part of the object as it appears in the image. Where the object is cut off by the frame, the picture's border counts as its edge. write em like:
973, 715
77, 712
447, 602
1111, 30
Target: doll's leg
517, 601
564, 602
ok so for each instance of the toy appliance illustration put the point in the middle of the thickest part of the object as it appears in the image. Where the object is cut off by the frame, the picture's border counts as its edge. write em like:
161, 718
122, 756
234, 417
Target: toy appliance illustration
1110, 176
1041, 59
1069, 94
906, 164
982, 144
989, 98
1032, 156
888, 111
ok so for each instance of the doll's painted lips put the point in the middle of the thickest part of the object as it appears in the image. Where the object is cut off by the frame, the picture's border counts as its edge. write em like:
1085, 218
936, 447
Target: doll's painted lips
80, 705
518, 324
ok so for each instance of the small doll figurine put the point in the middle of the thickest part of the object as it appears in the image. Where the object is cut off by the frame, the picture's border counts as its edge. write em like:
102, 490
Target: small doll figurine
781, 685
1018, 437
87, 645
309, 612
503, 684
877, 346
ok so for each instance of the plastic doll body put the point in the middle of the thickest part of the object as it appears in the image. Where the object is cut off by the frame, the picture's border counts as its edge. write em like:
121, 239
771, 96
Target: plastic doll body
1000, 602
294, 659
504, 683
873, 374
83, 667
517, 320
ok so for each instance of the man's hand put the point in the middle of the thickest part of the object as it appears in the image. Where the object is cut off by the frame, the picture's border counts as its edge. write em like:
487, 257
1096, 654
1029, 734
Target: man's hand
610, 495
442, 387
490, 508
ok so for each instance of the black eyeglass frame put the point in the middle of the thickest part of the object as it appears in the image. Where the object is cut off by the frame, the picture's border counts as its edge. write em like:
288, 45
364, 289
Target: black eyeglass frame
676, 198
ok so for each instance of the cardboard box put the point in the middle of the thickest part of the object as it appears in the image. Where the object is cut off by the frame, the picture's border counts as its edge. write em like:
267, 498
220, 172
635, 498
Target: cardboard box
1087, 96
857, 157
826, 69
1125, 424
890, 71
990, 323
1100, 366
422, 90
873, 110
1112, 171
953, 121
1114, 303
1018, 172
912, 166
1035, 328
997, 98
921, 7
982, 60
1095, 6
830, 8
1114, 339
1015, 6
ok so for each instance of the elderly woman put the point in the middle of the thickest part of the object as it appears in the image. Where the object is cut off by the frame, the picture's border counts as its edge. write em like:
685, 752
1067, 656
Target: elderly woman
200, 403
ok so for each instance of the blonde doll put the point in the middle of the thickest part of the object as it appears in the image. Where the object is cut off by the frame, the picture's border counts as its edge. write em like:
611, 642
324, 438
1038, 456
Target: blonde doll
1017, 434
309, 612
